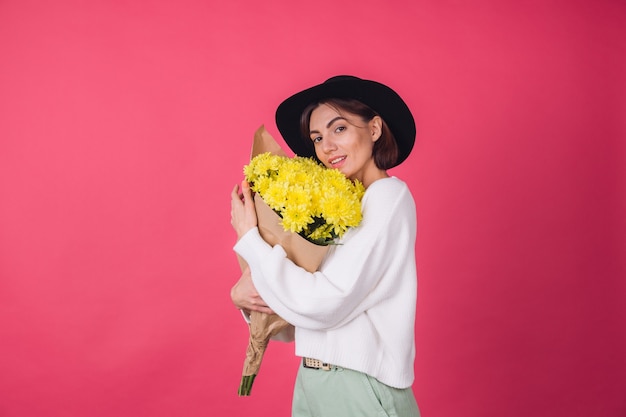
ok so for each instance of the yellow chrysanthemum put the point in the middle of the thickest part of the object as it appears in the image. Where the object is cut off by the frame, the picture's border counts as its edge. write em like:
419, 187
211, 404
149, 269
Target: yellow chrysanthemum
295, 220
276, 195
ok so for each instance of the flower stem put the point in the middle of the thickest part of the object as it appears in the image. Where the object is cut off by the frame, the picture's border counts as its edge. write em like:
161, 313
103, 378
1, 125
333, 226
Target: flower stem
246, 385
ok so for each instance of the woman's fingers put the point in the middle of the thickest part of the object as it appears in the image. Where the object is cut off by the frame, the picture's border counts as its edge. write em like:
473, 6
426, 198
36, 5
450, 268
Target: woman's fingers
245, 296
243, 214
234, 195
245, 190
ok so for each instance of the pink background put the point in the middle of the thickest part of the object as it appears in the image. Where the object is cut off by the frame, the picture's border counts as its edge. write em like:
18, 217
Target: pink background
125, 125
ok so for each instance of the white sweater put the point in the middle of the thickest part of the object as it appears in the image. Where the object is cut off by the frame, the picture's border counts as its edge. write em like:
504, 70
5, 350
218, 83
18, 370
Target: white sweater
358, 310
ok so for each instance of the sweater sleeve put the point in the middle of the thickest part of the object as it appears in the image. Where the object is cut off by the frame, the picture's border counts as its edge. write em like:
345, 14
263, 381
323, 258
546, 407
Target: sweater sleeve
356, 274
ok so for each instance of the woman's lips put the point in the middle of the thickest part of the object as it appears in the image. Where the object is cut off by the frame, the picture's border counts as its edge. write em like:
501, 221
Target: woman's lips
337, 161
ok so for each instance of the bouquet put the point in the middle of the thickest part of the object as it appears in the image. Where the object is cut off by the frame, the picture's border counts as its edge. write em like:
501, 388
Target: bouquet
302, 206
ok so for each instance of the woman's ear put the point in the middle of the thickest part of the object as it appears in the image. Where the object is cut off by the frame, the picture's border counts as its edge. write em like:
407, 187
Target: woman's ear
376, 128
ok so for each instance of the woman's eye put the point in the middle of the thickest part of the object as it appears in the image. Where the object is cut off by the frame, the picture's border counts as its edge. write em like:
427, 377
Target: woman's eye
340, 129
316, 139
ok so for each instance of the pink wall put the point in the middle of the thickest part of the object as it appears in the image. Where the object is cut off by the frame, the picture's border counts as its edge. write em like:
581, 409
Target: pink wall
123, 128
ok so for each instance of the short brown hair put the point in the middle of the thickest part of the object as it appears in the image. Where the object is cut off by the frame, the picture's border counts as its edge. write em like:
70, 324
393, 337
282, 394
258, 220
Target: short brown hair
385, 151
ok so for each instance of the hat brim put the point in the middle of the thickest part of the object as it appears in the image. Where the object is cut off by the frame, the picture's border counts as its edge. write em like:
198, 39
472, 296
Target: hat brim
380, 98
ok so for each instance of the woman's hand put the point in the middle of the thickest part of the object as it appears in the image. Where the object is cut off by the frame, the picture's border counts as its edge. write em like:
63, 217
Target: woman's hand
242, 213
245, 296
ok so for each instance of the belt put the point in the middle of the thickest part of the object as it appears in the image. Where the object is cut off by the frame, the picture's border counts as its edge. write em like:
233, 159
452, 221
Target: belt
317, 364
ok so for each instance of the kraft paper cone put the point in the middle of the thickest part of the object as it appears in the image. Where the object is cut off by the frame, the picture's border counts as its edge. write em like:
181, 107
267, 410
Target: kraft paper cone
302, 252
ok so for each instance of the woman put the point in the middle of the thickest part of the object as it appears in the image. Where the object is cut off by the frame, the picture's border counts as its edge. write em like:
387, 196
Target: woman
354, 318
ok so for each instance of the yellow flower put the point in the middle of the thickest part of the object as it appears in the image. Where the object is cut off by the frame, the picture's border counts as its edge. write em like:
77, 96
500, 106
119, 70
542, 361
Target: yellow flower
295, 220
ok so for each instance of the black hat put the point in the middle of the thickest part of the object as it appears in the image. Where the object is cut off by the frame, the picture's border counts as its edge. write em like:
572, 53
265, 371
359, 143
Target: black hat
380, 98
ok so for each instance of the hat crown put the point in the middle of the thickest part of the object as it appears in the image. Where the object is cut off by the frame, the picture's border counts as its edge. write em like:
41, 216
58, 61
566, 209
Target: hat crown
337, 78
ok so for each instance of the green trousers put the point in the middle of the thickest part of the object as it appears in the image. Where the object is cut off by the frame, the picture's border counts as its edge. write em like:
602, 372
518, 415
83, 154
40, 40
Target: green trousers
346, 393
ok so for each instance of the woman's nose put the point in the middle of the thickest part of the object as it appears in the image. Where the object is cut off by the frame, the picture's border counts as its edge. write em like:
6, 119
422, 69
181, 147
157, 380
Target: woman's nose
328, 145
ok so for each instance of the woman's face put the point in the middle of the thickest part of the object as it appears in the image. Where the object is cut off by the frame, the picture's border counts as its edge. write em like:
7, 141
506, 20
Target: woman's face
344, 141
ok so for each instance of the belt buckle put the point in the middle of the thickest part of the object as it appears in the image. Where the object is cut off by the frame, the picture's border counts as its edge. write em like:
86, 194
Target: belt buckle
316, 364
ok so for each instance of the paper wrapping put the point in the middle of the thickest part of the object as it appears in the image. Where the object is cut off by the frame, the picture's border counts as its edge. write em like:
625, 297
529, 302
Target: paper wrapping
302, 252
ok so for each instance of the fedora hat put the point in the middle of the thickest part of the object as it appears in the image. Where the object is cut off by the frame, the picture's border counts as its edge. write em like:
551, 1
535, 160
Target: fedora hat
380, 98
